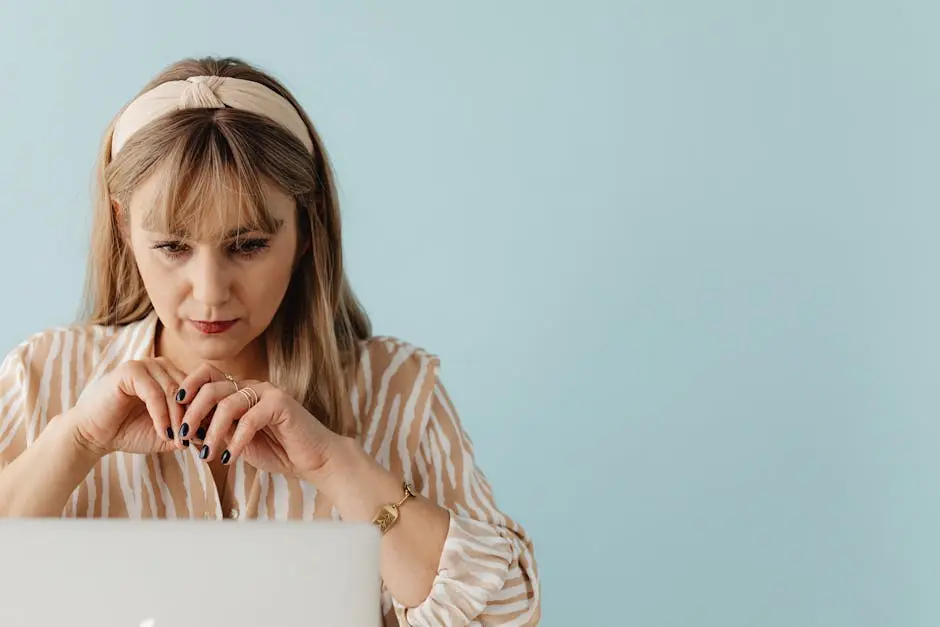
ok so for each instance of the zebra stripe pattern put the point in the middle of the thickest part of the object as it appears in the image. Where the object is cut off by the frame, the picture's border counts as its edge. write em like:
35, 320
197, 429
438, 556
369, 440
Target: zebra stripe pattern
406, 420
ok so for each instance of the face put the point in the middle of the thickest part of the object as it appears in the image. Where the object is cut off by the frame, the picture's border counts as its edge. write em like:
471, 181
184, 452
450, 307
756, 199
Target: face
216, 297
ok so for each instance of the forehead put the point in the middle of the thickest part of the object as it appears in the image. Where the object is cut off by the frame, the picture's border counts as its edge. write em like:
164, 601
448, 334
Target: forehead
207, 209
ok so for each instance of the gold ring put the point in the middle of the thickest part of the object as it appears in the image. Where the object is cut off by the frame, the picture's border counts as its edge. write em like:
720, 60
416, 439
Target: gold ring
232, 379
250, 395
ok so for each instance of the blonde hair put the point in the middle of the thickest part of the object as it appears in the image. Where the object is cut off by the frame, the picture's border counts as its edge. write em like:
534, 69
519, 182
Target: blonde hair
204, 156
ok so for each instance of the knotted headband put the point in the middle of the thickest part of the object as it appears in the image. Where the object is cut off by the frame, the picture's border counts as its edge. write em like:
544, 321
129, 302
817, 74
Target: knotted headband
207, 92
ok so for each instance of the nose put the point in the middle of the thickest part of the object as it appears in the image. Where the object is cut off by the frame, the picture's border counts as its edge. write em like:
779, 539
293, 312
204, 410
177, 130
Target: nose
211, 283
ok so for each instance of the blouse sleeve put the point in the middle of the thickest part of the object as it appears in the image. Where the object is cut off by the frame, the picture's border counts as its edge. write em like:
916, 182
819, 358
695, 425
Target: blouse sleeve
487, 574
14, 385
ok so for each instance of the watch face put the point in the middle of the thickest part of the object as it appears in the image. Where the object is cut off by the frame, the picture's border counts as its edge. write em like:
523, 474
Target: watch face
386, 517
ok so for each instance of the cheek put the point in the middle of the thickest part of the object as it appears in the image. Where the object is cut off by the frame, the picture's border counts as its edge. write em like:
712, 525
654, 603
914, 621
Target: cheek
147, 266
268, 280
159, 280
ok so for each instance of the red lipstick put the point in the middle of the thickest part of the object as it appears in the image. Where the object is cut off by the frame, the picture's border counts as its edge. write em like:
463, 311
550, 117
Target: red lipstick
211, 327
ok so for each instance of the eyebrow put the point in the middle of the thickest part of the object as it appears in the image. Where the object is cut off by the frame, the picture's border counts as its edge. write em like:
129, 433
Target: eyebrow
238, 232
234, 233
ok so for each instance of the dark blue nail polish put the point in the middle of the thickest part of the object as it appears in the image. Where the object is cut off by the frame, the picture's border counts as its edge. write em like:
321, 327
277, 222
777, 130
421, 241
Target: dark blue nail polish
180, 396
204, 453
201, 433
226, 456
185, 442
184, 430
169, 433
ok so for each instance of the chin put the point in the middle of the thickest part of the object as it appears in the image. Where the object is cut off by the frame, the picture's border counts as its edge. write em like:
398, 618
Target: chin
217, 348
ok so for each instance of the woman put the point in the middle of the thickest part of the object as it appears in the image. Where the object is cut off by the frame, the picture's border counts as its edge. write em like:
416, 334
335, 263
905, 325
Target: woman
227, 371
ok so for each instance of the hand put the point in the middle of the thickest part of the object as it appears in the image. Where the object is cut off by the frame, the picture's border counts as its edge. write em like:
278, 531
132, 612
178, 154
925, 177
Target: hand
269, 428
131, 409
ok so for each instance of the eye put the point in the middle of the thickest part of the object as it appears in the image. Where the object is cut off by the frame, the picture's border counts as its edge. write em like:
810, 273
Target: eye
172, 248
248, 248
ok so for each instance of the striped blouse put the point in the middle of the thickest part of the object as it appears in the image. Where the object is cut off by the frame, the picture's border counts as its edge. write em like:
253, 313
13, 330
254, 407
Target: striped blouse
487, 573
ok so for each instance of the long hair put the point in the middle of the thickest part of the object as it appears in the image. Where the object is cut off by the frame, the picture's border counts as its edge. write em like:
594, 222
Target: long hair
203, 157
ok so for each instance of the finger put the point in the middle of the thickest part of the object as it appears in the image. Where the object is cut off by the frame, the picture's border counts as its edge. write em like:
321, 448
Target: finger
178, 375
141, 383
176, 409
191, 385
229, 409
200, 407
251, 422
162, 372
199, 436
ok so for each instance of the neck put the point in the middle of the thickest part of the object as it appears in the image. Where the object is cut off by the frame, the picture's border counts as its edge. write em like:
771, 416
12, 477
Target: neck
250, 363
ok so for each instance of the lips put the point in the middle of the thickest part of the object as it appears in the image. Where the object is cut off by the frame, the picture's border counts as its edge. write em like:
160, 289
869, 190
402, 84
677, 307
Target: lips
212, 327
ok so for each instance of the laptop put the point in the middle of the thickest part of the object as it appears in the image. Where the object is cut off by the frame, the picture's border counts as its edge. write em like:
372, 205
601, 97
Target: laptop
129, 573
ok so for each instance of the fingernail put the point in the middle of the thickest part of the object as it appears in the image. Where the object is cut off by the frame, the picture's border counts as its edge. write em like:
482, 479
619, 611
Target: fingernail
169, 433
180, 395
226, 456
201, 433
204, 453
184, 430
185, 442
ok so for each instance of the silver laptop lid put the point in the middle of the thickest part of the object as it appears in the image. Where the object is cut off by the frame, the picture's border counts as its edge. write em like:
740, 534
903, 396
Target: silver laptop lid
123, 573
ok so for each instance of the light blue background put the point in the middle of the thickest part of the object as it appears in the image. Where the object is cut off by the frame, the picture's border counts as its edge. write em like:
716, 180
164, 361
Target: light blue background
677, 258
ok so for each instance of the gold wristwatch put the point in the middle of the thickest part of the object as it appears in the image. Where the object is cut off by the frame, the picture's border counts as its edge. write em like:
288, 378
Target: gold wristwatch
388, 515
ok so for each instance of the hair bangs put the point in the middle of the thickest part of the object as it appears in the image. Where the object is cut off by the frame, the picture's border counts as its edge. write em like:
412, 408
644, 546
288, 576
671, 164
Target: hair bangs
209, 187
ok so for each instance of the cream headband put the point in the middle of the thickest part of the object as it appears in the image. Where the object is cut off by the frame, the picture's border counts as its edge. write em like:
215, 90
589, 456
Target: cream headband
207, 92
